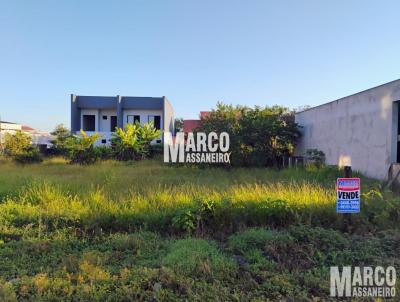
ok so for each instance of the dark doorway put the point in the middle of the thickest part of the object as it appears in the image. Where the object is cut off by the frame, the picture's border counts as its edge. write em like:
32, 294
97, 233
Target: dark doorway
156, 119
113, 123
89, 123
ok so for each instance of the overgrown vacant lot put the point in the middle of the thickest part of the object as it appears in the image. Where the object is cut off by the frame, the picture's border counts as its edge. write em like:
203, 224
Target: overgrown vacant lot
148, 231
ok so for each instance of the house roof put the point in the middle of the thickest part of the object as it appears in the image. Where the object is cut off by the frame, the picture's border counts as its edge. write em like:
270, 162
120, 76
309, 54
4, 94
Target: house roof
204, 114
27, 128
190, 125
110, 102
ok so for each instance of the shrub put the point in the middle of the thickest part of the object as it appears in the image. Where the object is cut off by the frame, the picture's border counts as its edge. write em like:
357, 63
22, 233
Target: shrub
7, 293
104, 152
17, 143
258, 137
156, 149
31, 155
81, 149
18, 146
315, 156
60, 143
133, 142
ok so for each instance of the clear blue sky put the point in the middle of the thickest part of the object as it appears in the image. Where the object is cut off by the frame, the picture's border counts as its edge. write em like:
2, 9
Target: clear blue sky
196, 53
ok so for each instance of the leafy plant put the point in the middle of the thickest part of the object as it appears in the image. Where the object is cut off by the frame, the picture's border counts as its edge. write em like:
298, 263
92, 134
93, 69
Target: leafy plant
133, 142
178, 124
104, 152
19, 147
258, 136
17, 143
60, 143
30, 155
81, 148
316, 157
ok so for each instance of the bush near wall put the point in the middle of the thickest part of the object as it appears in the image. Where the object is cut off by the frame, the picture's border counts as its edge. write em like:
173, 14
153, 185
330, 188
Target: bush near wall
258, 136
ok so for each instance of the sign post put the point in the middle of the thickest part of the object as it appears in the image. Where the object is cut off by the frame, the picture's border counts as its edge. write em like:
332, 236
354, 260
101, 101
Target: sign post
348, 195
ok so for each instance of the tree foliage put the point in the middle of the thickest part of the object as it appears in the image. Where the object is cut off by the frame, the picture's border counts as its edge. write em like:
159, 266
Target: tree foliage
19, 147
258, 136
178, 124
17, 143
62, 134
81, 148
133, 142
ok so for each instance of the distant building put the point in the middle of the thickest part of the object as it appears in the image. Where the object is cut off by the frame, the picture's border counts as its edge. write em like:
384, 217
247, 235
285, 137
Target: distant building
39, 138
361, 130
190, 125
8, 127
102, 114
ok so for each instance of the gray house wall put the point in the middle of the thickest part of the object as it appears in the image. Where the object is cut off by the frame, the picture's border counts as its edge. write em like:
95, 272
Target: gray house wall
359, 130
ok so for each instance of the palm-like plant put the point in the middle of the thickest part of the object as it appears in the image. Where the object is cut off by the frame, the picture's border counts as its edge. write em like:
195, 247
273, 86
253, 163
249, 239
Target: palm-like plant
133, 142
81, 148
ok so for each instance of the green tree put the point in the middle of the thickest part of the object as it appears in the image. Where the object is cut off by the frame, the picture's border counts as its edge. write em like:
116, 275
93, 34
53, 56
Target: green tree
17, 143
62, 134
178, 124
19, 147
258, 136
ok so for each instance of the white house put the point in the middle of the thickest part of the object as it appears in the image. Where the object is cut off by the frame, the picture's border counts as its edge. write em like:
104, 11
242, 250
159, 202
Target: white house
102, 114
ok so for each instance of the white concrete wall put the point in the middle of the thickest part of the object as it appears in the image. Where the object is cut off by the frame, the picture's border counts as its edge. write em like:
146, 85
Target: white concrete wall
105, 125
94, 112
168, 116
359, 130
144, 117
103, 135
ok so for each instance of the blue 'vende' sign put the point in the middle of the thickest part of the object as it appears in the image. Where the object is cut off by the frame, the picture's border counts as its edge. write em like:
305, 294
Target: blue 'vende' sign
348, 195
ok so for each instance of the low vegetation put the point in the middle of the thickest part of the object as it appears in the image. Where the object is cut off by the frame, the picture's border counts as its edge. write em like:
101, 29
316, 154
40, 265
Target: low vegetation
141, 231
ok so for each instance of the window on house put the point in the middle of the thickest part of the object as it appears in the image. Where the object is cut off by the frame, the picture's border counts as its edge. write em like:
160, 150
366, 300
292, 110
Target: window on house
104, 117
89, 122
113, 123
156, 119
133, 119
103, 141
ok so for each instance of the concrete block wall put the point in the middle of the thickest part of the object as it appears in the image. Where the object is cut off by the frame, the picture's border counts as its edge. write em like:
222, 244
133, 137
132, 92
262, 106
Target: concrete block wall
359, 130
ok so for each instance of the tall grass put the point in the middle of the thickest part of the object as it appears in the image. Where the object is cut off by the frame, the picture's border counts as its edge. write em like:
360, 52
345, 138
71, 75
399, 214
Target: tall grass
149, 195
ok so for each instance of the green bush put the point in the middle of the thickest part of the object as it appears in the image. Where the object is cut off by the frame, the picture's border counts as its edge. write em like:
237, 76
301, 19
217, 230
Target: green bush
60, 143
133, 142
17, 143
315, 156
104, 152
258, 137
19, 147
81, 149
30, 155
